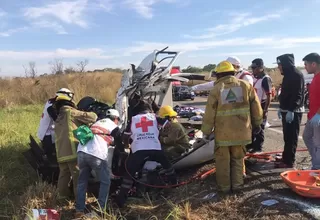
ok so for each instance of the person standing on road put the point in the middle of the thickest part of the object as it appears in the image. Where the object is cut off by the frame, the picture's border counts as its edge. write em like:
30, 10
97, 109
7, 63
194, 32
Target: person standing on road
263, 87
311, 134
291, 108
233, 110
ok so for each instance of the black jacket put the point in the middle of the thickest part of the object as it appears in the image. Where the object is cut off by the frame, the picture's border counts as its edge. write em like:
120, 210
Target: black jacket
292, 88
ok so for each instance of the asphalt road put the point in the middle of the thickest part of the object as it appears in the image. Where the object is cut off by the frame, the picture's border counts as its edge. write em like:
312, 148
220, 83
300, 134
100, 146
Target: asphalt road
263, 179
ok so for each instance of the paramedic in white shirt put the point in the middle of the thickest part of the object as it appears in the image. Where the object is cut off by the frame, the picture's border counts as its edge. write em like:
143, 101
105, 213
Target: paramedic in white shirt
93, 156
240, 74
145, 146
46, 130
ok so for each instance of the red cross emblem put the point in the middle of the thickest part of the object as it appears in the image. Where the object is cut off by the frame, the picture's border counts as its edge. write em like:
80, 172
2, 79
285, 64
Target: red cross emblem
144, 124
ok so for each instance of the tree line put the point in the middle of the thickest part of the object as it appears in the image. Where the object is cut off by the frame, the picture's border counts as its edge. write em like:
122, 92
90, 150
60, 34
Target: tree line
57, 67
193, 69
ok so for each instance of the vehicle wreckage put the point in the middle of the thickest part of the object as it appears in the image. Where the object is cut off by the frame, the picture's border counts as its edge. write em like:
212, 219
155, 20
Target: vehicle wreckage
150, 81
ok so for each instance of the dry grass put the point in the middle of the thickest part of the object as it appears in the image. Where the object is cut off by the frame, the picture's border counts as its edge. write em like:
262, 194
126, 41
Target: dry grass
25, 91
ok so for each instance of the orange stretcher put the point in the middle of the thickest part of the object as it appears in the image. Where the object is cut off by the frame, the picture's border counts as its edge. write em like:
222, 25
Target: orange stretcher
304, 182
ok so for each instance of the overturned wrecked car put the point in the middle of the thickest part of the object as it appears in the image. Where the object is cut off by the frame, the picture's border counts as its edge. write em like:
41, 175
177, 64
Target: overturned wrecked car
150, 81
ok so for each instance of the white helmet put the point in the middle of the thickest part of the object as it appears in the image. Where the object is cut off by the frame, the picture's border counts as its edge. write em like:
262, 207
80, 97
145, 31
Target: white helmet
234, 60
113, 112
64, 94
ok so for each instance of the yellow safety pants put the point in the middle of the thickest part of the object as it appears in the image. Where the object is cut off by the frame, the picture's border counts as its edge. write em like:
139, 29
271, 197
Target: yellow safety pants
67, 170
230, 167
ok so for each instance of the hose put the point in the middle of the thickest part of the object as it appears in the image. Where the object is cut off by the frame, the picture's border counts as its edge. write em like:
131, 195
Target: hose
206, 173
202, 176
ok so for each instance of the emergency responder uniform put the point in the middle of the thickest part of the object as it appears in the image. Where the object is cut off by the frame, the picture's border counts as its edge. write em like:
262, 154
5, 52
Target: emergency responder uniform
173, 137
145, 146
46, 130
233, 110
69, 118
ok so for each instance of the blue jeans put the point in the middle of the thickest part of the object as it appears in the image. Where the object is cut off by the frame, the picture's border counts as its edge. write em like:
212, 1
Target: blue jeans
86, 163
311, 137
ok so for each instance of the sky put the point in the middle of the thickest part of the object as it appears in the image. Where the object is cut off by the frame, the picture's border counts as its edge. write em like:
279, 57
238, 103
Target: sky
115, 33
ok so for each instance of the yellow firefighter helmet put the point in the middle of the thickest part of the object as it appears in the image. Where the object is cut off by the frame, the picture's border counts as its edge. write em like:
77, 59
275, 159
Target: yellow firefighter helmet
167, 111
224, 67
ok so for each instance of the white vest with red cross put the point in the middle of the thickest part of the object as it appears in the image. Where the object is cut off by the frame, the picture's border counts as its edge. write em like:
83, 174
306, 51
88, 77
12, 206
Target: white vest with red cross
259, 89
145, 133
46, 124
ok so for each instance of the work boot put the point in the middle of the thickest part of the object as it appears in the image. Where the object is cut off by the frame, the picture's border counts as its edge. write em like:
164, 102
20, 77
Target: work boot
284, 165
255, 151
121, 198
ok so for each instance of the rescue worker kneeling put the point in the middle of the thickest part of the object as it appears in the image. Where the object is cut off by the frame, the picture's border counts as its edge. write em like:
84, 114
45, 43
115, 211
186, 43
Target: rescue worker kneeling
232, 109
173, 137
145, 146
68, 119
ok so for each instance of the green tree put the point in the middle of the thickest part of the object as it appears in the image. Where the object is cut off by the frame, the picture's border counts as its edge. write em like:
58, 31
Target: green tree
192, 69
209, 67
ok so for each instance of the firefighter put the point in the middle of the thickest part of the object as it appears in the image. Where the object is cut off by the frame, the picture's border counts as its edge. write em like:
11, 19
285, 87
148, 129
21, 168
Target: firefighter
69, 118
145, 146
240, 73
173, 137
233, 110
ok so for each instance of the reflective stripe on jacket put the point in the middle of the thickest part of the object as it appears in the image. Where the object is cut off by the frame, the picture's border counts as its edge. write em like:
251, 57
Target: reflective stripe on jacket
68, 120
232, 109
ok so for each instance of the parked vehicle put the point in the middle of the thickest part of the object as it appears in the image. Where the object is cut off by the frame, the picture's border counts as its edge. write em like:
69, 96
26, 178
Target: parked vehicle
202, 93
180, 93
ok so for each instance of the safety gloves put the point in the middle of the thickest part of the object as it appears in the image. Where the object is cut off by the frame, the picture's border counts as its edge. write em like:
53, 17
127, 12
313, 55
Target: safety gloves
315, 120
289, 117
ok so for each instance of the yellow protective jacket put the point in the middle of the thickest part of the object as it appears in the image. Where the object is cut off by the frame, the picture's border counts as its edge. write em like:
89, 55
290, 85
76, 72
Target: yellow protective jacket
68, 120
232, 109
174, 134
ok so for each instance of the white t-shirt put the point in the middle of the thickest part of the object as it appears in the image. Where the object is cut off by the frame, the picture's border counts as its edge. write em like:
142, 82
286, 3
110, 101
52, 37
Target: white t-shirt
245, 75
98, 146
144, 132
46, 126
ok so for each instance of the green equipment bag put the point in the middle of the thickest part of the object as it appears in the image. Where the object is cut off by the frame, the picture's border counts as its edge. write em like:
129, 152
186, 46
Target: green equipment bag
83, 134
